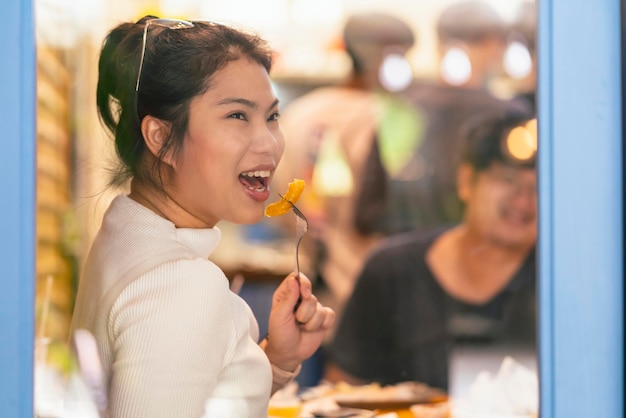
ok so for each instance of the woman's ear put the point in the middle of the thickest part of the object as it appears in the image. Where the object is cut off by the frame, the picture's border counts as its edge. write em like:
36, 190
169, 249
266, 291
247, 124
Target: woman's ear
156, 133
464, 181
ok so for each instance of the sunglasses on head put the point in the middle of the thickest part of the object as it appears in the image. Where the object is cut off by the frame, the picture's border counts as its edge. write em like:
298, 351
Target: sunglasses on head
165, 23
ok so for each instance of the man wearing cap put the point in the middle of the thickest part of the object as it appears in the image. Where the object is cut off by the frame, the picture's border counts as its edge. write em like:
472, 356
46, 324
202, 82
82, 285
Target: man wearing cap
420, 290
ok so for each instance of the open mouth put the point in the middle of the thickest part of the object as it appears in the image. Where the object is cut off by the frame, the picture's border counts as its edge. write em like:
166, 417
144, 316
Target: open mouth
255, 181
517, 217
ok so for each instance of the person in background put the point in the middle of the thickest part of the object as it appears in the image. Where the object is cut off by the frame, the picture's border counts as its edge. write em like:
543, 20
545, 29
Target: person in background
471, 40
399, 324
195, 123
347, 142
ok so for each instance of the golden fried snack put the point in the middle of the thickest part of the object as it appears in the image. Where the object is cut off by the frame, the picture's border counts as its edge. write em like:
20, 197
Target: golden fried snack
291, 197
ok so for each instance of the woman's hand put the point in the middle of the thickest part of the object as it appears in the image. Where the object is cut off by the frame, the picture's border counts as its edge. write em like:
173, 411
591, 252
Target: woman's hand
293, 336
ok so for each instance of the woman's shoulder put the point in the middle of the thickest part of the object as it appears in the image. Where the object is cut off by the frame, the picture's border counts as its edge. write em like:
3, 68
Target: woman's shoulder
190, 275
191, 288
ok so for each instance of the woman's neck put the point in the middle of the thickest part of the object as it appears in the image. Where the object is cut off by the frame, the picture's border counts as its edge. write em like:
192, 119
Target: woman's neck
161, 203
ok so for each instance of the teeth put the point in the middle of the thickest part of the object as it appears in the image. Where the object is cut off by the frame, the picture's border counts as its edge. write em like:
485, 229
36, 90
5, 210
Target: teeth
256, 189
262, 173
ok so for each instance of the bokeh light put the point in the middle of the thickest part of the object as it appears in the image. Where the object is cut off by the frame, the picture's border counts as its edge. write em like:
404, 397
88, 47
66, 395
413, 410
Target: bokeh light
521, 142
395, 73
456, 68
517, 61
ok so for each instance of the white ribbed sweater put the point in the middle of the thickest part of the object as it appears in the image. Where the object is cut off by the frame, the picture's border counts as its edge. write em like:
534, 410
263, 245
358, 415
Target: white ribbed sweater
174, 340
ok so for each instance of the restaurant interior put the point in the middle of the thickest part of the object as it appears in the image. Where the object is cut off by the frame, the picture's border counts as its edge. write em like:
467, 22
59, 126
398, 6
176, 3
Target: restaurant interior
74, 155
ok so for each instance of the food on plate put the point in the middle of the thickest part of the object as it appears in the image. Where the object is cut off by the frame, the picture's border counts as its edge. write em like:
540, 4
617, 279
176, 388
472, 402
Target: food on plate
290, 198
344, 413
434, 410
375, 396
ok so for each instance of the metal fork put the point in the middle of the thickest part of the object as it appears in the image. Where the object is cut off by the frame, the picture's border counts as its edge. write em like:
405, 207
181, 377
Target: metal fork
302, 226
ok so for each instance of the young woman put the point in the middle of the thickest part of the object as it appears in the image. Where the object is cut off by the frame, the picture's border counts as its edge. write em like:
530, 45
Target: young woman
195, 123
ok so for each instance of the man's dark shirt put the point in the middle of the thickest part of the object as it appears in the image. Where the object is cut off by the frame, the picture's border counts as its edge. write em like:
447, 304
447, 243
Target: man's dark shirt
395, 327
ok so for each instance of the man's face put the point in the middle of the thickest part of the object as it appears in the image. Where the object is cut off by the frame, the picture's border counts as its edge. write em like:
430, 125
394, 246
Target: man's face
501, 203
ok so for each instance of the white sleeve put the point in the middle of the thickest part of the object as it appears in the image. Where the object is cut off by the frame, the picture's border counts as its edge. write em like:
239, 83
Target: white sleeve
171, 330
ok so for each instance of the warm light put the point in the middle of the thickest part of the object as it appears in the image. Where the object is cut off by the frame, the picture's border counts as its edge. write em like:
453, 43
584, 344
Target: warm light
332, 175
521, 143
456, 68
531, 125
517, 60
395, 73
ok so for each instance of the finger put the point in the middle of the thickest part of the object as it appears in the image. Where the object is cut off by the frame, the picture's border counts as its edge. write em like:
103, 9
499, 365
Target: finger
307, 309
317, 319
329, 318
285, 297
306, 288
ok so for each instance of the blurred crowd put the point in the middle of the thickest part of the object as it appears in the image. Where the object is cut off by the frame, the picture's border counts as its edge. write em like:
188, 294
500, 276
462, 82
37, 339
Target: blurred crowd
386, 153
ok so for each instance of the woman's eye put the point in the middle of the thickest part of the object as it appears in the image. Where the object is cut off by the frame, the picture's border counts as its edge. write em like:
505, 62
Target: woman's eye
237, 115
274, 117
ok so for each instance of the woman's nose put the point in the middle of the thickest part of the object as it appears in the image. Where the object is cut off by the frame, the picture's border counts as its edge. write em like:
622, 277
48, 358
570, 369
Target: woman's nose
269, 140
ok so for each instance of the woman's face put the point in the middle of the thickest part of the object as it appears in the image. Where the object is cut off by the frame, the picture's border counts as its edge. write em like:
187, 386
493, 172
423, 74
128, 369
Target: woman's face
231, 149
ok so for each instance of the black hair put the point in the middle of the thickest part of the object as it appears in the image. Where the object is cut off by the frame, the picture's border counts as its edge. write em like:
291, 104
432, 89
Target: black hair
485, 136
178, 65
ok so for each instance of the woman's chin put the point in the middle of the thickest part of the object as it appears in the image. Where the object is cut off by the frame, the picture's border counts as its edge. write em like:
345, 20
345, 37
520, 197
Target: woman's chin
249, 217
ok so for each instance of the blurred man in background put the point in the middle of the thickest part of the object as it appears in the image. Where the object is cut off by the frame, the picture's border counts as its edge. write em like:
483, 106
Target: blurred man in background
420, 290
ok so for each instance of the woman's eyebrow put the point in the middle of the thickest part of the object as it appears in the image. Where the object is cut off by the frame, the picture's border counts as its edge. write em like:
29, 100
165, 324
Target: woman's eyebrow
245, 102
274, 104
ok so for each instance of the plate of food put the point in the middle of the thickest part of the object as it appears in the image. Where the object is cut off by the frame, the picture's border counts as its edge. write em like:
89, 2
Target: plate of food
399, 396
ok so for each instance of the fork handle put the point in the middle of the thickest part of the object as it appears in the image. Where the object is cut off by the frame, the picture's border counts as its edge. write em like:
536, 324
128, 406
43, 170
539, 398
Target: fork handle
297, 270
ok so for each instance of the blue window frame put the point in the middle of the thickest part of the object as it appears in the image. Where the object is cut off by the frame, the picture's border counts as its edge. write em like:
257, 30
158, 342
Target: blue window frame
17, 220
581, 210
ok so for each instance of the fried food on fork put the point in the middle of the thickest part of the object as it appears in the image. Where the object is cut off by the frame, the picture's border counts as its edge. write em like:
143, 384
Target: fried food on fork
287, 200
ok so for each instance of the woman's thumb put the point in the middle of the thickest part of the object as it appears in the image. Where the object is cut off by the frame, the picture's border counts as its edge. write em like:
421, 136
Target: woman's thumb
286, 296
